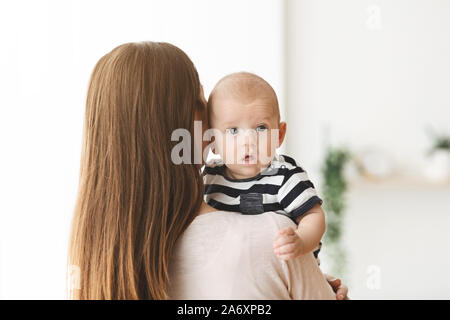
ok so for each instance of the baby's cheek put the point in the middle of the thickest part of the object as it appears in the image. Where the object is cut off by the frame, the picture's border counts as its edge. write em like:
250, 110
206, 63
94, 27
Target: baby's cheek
264, 148
229, 149
220, 145
233, 149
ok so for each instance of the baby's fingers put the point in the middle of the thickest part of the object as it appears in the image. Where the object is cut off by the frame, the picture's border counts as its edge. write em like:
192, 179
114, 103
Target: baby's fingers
287, 231
282, 240
287, 256
286, 252
285, 249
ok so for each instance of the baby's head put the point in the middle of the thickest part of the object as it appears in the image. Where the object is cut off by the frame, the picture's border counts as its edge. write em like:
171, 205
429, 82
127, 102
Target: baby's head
244, 108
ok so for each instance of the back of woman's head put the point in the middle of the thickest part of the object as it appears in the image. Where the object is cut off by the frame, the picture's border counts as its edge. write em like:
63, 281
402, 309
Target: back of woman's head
133, 201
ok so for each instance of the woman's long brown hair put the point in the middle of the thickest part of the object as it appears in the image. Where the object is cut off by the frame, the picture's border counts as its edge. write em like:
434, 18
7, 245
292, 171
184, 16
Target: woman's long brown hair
133, 202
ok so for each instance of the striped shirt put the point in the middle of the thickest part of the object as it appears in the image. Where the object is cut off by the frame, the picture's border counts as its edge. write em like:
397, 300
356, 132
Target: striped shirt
283, 187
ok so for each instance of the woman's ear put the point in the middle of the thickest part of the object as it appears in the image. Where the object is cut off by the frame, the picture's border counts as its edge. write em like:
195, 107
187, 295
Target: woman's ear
281, 133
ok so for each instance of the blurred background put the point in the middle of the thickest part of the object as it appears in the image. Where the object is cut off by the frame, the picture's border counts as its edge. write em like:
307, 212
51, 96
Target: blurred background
364, 86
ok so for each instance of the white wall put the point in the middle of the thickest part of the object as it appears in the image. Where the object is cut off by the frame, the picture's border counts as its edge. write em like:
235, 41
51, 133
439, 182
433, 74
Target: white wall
374, 72
48, 50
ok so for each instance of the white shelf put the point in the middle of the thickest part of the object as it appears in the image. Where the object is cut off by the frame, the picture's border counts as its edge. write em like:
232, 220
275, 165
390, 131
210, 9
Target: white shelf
397, 181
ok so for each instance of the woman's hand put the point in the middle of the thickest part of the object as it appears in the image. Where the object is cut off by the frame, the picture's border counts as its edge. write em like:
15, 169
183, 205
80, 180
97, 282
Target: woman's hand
340, 289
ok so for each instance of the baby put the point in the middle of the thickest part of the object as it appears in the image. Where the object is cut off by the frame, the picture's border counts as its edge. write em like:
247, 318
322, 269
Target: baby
250, 177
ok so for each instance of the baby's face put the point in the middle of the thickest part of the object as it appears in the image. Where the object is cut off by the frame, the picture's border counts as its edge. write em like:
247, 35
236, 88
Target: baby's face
248, 134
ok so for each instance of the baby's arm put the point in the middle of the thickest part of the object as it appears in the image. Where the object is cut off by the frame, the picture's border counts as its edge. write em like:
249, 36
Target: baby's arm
311, 226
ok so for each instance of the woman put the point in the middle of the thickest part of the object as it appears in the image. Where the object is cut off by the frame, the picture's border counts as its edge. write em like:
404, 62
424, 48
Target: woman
134, 203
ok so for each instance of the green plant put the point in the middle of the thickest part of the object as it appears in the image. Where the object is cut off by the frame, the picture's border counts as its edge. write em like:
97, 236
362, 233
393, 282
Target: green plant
439, 141
334, 188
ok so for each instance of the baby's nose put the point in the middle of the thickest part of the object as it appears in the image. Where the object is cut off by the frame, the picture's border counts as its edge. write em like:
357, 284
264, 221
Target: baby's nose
249, 137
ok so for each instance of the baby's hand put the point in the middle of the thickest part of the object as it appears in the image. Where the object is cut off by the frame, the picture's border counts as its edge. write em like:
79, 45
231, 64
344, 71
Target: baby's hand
288, 245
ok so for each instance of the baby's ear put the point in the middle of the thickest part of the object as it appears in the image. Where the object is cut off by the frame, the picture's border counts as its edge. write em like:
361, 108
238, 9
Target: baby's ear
281, 132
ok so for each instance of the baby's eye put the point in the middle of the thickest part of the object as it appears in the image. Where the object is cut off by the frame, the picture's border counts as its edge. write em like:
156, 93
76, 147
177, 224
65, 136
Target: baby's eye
261, 128
232, 130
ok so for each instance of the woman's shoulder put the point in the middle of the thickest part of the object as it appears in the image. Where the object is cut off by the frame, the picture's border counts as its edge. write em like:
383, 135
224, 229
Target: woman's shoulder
221, 231
223, 225
235, 252
227, 255
275, 220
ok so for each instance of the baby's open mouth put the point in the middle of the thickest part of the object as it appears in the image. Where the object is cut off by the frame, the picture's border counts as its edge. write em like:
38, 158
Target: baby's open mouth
249, 159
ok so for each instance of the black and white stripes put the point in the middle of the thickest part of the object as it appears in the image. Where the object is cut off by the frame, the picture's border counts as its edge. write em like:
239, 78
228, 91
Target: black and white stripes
284, 188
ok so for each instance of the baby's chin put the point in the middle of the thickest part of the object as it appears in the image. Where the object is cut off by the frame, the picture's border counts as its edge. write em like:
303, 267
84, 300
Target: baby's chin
244, 171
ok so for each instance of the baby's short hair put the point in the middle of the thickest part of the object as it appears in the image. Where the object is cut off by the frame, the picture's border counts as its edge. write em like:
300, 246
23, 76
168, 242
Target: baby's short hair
244, 85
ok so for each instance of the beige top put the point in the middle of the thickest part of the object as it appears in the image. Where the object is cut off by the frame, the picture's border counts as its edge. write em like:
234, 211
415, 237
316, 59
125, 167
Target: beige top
226, 255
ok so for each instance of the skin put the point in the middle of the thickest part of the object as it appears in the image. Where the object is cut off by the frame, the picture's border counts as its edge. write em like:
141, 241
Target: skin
245, 143
285, 236
244, 111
